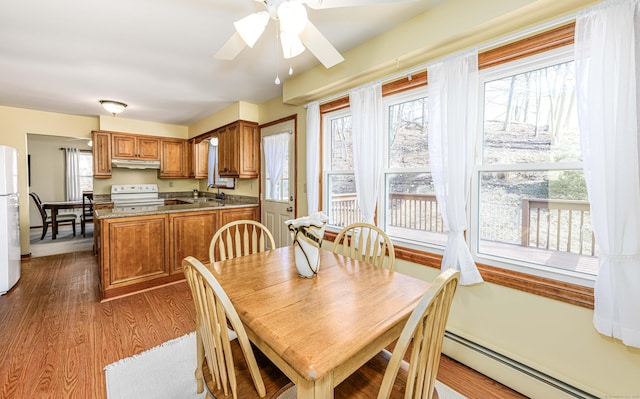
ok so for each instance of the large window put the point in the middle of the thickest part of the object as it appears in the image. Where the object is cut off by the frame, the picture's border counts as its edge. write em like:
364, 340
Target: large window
407, 207
530, 195
411, 211
85, 170
341, 204
528, 209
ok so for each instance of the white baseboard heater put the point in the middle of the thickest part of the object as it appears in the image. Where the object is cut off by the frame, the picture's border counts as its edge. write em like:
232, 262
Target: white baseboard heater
559, 388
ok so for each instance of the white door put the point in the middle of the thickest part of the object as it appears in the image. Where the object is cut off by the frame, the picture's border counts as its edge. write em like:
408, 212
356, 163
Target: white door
278, 200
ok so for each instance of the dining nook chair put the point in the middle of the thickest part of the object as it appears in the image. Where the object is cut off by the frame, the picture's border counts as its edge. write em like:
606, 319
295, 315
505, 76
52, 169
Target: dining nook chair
87, 211
65, 218
388, 375
226, 367
367, 243
240, 238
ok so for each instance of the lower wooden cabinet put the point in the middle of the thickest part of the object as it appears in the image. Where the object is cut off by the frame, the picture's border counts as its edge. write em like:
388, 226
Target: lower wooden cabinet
141, 252
191, 233
233, 214
133, 252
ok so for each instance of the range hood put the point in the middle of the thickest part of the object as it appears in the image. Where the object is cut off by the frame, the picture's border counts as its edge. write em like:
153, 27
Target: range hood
135, 164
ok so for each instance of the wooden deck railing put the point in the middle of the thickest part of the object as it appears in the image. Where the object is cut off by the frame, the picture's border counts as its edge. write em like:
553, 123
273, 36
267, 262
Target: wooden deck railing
415, 211
344, 210
557, 225
561, 225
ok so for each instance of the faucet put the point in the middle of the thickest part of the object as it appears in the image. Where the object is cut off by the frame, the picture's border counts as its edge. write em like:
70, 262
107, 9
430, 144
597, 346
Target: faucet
219, 195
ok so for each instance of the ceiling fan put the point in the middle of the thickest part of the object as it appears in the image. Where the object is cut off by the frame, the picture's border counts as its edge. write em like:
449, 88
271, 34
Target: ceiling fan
296, 31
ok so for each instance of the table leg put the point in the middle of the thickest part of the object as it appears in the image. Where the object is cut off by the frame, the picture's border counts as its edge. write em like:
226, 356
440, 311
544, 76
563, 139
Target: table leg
54, 223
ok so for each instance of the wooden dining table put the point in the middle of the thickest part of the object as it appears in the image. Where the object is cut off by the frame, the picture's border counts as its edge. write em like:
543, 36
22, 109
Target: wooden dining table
55, 207
318, 330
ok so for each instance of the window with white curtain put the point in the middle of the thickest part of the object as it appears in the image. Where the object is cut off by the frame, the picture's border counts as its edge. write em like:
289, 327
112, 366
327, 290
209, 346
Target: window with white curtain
78, 173
529, 192
339, 188
528, 208
411, 211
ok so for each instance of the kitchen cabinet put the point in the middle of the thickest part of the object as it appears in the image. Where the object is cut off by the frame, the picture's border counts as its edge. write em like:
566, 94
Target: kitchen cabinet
173, 159
133, 146
133, 251
233, 214
101, 153
191, 234
239, 150
199, 159
140, 252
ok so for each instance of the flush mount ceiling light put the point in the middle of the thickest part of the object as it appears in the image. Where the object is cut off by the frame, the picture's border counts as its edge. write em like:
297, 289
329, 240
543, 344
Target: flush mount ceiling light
113, 107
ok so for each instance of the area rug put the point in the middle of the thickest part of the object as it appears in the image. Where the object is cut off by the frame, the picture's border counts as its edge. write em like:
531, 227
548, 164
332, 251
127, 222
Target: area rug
163, 372
166, 372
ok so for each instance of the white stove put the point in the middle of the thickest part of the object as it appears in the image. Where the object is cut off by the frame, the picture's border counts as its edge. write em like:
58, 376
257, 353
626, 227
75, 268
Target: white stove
135, 195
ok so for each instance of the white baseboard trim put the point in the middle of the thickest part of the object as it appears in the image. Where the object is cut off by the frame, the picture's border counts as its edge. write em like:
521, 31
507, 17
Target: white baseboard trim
517, 376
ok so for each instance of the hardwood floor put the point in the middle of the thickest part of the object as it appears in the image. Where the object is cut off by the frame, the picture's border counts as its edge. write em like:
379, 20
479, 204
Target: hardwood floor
56, 338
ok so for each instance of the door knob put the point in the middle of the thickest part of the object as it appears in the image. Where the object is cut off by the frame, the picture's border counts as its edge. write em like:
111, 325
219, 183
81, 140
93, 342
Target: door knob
290, 209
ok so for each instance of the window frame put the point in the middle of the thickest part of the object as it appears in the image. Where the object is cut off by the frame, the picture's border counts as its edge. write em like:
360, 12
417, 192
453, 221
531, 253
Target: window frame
394, 98
327, 170
517, 66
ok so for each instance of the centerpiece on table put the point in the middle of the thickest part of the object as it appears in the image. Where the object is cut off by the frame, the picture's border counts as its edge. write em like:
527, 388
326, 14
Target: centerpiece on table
307, 233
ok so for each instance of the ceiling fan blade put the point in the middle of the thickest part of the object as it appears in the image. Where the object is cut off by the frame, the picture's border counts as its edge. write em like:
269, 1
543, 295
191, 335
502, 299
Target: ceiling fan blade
320, 46
231, 48
321, 4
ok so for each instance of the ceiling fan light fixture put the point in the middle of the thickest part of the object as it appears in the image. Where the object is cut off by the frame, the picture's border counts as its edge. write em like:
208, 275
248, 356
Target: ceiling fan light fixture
293, 17
291, 45
251, 27
113, 107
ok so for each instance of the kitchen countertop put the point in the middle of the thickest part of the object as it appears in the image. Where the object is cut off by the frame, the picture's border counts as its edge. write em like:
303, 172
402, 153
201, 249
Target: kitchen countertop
194, 204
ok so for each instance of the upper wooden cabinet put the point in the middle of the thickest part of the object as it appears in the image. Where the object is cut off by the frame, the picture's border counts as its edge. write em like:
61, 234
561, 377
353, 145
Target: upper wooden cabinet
101, 155
173, 158
133, 146
239, 150
199, 159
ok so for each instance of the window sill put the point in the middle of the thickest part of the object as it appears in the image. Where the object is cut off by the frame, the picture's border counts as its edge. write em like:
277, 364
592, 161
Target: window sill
558, 290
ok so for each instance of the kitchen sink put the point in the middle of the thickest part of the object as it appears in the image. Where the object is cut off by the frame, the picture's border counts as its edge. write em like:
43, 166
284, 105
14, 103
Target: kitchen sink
207, 199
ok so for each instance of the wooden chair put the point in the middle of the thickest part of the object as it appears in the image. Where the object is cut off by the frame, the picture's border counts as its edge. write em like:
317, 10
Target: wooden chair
367, 243
66, 218
389, 373
233, 367
240, 238
87, 211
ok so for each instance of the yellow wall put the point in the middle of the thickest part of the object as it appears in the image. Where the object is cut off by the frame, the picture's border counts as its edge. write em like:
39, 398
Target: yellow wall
237, 111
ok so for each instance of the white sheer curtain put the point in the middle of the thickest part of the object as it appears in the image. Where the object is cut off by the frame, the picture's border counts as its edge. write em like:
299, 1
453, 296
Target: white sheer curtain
72, 174
452, 98
607, 89
212, 167
313, 156
212, 161
275, 153
367, 123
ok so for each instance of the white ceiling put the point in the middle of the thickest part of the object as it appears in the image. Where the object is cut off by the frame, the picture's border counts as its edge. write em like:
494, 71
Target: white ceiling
157, 55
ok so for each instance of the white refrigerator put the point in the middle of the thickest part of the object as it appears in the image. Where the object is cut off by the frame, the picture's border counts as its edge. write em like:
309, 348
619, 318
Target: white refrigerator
9, 219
